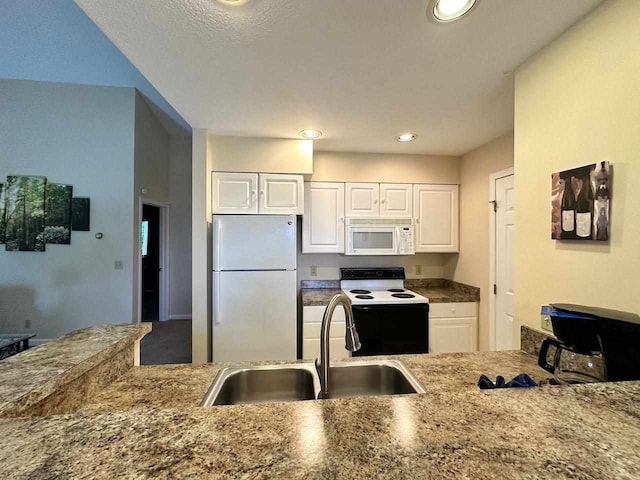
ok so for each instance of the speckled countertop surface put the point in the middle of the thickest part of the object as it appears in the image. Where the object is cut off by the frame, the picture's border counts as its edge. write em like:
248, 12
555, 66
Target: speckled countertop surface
437, 290
145, 425
30, 376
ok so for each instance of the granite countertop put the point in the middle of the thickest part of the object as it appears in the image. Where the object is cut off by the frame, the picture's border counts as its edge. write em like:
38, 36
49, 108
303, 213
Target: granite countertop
30, 376
146, 425
437, 290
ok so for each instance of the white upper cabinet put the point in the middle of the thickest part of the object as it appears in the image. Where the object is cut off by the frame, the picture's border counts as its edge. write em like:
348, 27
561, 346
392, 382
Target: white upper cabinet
250, 193
281, 194
234, 193
396, 200
362, 199
323, 221
436, 211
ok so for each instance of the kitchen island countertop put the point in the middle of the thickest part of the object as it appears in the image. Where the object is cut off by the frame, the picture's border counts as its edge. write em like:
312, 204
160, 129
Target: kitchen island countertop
147, 424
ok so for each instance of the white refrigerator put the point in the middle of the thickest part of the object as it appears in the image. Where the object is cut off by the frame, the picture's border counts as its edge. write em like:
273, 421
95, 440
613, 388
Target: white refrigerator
254, 302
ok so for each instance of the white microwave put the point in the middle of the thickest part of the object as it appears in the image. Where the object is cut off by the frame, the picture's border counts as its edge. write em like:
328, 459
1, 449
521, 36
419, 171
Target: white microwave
379, 236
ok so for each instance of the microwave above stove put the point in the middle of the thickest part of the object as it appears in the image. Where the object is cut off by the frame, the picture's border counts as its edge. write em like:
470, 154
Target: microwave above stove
379, 236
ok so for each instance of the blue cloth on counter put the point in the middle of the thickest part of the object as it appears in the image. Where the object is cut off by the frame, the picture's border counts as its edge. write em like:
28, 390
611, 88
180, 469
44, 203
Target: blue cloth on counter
521, 381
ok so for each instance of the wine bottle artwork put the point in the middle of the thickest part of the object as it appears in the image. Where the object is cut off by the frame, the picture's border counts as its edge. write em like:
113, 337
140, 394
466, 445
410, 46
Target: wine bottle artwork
568, 209
580, 203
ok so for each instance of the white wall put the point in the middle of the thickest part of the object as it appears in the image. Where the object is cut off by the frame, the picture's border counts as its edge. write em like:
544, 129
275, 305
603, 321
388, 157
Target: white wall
472, 265
180, 227
578, 102
151, 173
82, 136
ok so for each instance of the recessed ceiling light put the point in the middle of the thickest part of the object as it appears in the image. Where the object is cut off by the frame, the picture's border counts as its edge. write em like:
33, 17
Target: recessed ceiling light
445, 11
406, 137
310, 134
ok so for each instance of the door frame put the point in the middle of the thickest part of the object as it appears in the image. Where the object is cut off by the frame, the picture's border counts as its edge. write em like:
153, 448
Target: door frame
163, 274
493, 178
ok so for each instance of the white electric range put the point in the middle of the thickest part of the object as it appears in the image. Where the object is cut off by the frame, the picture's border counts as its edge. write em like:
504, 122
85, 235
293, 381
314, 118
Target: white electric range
390, 319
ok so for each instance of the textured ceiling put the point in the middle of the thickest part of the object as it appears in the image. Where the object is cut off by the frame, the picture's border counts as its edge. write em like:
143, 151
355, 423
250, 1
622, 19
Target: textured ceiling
362, 71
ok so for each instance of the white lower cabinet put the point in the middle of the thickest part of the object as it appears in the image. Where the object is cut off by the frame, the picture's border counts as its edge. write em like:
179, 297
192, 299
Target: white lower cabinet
453, 327
311, 326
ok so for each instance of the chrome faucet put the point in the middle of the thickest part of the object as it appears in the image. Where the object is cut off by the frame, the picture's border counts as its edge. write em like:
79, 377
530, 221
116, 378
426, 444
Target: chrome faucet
351, 339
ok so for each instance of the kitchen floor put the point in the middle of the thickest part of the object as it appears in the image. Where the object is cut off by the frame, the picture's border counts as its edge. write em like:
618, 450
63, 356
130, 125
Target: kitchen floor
168, 342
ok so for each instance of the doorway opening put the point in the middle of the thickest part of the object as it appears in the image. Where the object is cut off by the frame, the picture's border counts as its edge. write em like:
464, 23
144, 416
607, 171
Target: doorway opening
501, 245
151, 269
152, 262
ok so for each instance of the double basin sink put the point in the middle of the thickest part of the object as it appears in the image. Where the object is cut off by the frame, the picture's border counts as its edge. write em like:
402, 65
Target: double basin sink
300, 381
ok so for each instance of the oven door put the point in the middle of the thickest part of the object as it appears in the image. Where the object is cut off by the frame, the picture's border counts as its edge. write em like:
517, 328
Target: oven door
367, 240
392, 329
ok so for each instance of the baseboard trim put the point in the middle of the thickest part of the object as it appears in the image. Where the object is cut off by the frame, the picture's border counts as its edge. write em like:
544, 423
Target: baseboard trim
186, 316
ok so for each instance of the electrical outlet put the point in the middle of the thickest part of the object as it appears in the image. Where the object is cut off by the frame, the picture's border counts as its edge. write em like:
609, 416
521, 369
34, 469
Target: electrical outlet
545, 323
418, 269
27, 324
118, 265
314, 271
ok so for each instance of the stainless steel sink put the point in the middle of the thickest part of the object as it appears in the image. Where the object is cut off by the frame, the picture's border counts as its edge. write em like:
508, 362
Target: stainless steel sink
294, 382
388, 377
274, 383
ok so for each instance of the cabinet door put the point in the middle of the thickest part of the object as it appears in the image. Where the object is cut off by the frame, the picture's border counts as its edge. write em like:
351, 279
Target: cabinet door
323, 221
436, 210
449, 335
362, 199
234, 193
281, 194
396, 200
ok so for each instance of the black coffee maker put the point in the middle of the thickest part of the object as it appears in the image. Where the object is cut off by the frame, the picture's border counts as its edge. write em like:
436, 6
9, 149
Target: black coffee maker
593, 345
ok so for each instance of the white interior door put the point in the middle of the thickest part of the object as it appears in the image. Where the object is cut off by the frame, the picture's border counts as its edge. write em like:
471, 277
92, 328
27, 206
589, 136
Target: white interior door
362, 199
504, 241
234, 193
396, 200
281, 194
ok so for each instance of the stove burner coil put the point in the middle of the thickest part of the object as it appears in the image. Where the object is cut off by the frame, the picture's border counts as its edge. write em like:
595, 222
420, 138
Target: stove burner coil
402, 295
360, 292
364, 297
396, 290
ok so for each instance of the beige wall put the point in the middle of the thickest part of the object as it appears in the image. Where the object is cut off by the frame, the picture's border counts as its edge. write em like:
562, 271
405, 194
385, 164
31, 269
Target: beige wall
269, 155
201, 252
377, 167
578, 102
471, 266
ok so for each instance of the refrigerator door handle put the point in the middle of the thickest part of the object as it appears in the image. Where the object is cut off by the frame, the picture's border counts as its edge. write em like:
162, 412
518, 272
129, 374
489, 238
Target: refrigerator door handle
217, 240
217, 320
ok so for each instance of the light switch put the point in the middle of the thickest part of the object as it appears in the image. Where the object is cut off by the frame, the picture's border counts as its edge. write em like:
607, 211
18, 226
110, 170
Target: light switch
314, 271
118, 265
418, 269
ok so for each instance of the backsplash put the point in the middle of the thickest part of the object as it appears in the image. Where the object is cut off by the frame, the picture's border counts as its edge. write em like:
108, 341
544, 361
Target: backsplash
531, 340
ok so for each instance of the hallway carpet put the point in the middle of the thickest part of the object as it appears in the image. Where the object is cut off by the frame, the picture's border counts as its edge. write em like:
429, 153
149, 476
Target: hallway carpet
168, 342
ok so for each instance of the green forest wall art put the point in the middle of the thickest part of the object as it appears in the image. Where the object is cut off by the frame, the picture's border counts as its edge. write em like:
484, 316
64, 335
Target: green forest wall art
57, 227
34, 213
24, 213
